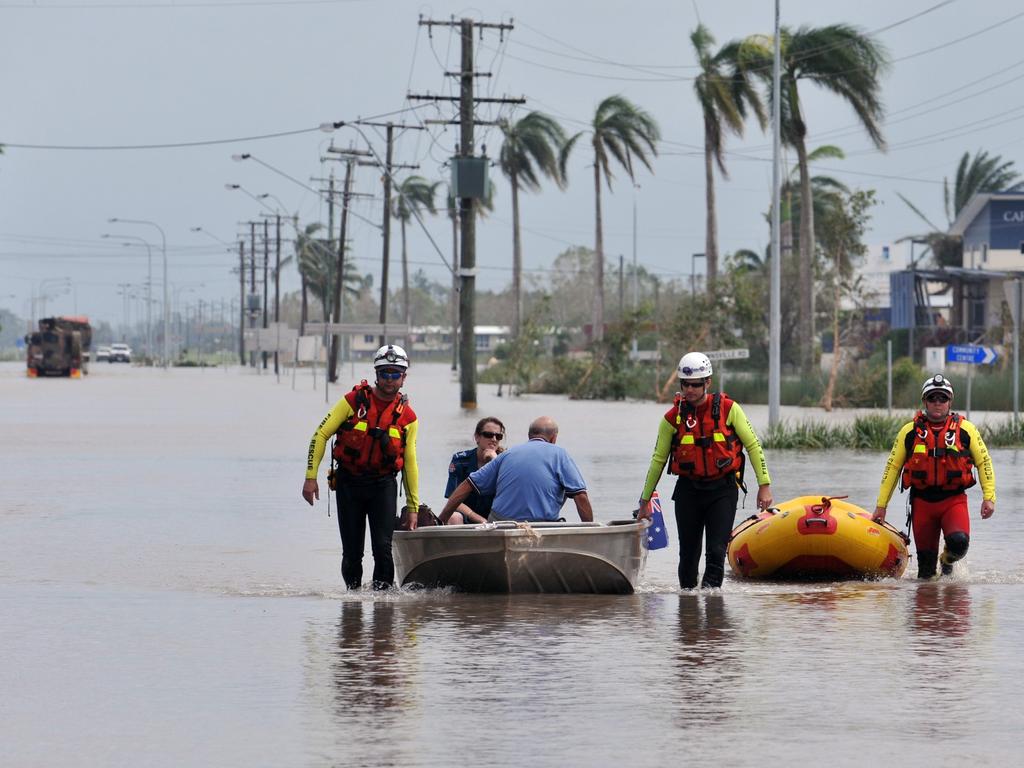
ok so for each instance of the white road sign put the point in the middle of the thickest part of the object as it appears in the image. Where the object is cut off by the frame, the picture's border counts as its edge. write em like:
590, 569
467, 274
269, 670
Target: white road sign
728, 354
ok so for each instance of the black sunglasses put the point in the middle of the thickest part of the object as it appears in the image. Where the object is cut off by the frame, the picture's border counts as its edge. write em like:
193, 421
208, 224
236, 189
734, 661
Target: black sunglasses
937, 398
492, 435
390, 375
692, 384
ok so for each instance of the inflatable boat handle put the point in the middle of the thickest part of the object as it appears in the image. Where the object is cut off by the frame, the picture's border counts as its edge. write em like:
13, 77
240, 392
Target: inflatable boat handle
888, 526
750, 521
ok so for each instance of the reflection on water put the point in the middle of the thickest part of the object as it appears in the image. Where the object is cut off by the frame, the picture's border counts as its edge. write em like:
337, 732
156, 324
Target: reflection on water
369, 673
941, 614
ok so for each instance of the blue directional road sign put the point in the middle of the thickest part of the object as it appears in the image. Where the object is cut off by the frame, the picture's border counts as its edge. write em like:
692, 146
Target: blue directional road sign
971, 354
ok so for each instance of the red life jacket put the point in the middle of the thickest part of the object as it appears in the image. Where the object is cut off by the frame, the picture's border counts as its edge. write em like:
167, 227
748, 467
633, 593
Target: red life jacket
372, 440
938, 458
704, 446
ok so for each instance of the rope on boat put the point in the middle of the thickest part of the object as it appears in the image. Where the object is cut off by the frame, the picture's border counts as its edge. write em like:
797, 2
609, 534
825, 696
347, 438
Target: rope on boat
529, 530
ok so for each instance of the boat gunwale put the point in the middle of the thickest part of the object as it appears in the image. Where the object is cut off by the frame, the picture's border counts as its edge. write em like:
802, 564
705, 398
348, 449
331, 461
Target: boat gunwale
508, 529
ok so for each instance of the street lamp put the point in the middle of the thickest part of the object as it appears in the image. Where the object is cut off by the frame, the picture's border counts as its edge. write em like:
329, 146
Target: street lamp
318, 193
149, 286
209, 234
258, 198
163, 245
39, 296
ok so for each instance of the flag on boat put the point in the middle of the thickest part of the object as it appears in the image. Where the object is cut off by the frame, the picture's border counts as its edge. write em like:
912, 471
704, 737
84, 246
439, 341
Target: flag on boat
657, 535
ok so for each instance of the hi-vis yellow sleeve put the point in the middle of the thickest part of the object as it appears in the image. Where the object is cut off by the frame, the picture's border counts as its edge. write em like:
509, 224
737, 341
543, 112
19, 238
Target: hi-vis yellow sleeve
894, 466
982, 460
738, 421
411, 470
661, 448
328, 427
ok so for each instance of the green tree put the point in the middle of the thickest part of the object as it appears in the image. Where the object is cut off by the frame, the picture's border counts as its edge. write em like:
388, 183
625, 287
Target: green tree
847, 62
318, 265
620, 131
725, 92
304, 239
413, 195
529, 151
842, 239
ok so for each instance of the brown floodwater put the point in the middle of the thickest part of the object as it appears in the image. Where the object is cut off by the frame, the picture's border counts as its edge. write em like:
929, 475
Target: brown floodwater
168, 599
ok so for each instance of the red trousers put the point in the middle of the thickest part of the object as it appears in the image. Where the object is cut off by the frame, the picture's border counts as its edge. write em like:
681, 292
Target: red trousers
932, 518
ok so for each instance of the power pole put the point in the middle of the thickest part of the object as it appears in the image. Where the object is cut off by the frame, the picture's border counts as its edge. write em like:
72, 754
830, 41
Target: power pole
252, 283
467, 203
241, 301
351, 158
389, 167
277, 286
266, 281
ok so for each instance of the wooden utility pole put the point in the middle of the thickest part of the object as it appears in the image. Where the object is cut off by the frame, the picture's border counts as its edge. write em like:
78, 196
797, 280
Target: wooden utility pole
389, 167
467, 299
351, 158
252, 283
241, 301
277, 286
467, 204
266, 280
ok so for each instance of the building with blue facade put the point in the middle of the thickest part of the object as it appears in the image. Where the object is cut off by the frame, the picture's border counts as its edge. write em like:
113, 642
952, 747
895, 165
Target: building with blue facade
992, 228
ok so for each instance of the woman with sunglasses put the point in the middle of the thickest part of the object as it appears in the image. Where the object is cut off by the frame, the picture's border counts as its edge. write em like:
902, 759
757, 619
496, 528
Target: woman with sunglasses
374, 431
935, 456
702, 437
489, 434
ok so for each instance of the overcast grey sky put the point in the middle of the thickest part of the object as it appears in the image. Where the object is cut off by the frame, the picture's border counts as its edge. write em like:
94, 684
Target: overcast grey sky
115, 74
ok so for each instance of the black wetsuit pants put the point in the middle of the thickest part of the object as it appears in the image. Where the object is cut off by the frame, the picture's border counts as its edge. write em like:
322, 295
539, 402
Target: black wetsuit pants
704, 511
359, 500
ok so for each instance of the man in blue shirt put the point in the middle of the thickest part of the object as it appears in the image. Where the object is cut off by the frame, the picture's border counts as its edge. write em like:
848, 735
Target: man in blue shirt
530, 482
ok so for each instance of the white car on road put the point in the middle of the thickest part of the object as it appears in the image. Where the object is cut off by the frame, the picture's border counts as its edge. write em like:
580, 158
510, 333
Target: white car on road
120, 353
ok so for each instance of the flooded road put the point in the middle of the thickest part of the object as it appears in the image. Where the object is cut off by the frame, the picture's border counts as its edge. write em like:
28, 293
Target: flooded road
168, 599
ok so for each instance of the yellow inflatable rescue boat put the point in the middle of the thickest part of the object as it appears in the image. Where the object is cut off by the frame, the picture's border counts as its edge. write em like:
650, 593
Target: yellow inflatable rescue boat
816, 538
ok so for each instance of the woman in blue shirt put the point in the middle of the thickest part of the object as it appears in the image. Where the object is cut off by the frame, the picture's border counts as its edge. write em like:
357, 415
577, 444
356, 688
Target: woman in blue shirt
489, 434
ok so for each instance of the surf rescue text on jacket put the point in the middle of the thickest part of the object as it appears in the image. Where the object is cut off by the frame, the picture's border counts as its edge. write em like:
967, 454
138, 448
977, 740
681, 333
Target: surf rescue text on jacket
372, 440
704, 446
938, 456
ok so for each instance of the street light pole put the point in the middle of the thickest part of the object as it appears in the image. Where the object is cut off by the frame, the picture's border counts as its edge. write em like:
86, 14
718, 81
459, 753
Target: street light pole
163, 248
149, 287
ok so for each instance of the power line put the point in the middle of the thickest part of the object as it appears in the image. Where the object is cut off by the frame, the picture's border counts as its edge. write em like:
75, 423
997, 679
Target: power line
186, 144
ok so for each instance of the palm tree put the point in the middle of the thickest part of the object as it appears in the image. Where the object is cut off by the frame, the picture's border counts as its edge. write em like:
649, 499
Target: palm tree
318, 263
304, 240
725, 92
412, 196
531, 148
620, 131
847, 62
826, 195
982, 173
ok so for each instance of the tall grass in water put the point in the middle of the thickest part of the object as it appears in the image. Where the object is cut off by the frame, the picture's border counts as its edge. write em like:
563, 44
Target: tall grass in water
871, 433
1004, 434
875, 432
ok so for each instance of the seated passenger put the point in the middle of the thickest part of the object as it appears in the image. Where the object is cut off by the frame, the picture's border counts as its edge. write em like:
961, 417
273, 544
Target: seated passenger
488, 435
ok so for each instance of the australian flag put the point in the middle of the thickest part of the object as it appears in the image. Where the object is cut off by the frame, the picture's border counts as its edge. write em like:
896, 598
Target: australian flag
657, 534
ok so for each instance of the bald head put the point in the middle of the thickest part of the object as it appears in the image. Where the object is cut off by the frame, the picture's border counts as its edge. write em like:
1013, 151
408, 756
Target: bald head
545, 428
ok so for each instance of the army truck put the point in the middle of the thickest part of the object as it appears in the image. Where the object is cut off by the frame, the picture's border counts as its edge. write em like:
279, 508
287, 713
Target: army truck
60, 347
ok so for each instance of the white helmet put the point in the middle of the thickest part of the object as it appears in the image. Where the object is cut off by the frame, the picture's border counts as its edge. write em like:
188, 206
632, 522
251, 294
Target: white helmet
694, 365
391, 356
937, 383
